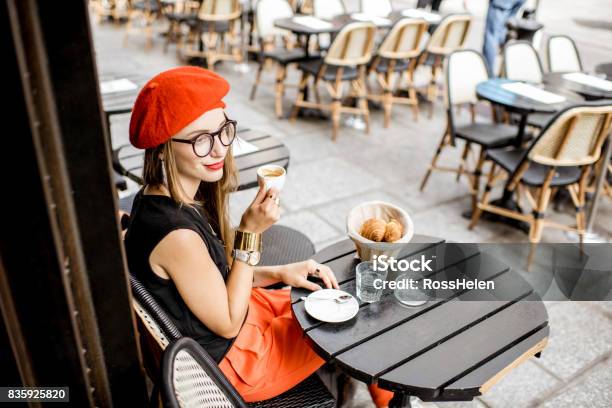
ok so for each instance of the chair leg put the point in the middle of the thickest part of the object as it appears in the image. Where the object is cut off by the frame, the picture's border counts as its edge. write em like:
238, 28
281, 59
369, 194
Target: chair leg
537, 225
432, 165
335, 114
280, 90
300, 97
412, 93
476, 178
464, 155
362, 98
485, 197
257, 79
387, 106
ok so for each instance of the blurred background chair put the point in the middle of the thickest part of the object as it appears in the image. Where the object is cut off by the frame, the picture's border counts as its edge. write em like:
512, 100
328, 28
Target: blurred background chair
396, 58
381, 8
562, 157
449, 36
562, 54
345, 61
276, 46
465, 69
177, 14
521, 62
213, 35
143, 12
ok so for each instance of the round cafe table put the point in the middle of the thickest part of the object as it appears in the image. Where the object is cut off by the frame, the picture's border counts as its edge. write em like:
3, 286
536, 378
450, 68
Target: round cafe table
452, 348
557, 80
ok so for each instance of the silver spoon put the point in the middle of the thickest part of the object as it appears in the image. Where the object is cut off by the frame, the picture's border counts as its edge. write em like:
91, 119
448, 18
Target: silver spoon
339, 299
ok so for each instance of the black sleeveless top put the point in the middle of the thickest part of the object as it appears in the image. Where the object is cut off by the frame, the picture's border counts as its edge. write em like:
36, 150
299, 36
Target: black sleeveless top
152, 218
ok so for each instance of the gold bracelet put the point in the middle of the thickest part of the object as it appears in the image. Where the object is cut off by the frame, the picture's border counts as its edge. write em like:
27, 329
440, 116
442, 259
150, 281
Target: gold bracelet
247, 241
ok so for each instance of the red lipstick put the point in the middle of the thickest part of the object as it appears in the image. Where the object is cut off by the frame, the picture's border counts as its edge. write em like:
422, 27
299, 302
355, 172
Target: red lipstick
215, 166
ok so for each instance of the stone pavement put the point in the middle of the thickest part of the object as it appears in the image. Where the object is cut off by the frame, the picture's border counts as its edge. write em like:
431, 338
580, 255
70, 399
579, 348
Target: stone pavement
326, 179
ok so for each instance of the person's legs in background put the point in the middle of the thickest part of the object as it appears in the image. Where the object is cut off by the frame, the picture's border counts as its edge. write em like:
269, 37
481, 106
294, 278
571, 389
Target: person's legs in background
498, 14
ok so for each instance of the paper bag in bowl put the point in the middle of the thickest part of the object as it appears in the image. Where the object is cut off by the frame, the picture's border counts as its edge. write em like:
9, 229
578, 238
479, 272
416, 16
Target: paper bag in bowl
366, 248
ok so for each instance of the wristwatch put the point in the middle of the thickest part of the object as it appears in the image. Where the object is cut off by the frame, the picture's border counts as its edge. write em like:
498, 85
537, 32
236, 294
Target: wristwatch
248, 257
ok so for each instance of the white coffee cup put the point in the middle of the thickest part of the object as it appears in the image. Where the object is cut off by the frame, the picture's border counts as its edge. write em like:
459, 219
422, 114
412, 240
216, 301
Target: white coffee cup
273, 176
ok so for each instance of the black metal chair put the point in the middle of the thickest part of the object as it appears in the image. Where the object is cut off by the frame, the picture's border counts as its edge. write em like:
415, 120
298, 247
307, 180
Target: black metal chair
191, 378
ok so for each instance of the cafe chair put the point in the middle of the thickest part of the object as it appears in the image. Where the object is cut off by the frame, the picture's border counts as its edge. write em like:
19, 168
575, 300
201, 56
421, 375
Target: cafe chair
156, 330
395, 58
328, 9
115, 10
561, 157
449, 36
192, 379
269, 36
521, 62
214, 30
180, 12
345, 61
381, 8
562, 54
147, 11
465, 69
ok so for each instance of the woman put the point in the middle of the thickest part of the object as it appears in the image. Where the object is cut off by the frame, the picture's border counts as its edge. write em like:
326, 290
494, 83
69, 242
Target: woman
181, 245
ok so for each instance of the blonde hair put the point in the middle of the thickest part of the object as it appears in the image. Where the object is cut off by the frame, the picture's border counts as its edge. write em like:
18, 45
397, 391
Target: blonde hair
212, 198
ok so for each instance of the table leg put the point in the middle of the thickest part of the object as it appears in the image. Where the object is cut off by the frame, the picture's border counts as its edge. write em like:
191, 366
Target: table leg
520, 137
400, 400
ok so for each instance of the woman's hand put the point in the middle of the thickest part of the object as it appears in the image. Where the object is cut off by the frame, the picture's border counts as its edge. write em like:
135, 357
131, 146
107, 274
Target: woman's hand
263, 211
296, 275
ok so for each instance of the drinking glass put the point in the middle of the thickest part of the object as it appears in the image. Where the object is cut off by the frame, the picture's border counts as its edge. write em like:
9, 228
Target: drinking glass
370, 282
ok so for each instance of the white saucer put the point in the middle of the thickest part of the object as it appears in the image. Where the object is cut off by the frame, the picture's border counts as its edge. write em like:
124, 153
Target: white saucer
328, 310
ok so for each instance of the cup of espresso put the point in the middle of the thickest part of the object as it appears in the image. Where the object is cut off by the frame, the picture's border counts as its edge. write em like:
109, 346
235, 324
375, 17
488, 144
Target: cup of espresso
273, 176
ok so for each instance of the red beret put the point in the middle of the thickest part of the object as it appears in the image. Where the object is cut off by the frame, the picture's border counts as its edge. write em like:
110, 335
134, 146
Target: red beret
172, 100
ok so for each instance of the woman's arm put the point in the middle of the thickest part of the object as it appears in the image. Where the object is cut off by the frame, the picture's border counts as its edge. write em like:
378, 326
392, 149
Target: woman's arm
219, 305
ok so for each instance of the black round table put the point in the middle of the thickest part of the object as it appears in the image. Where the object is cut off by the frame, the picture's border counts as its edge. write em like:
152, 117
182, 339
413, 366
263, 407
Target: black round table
493, 92
557, 81
128, 161
115, 103
452, 348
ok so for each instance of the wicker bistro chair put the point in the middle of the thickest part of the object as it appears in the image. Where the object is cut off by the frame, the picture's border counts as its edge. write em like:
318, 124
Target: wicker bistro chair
522, 63
345, 61
397, 57
156, 331
380, 8
147, 11
214, 30
182, 11
562, 54
464, 70
562, 156
191, 378
449, 36
267, 12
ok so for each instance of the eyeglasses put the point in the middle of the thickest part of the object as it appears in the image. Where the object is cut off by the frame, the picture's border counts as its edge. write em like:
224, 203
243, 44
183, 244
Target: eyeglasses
204, 142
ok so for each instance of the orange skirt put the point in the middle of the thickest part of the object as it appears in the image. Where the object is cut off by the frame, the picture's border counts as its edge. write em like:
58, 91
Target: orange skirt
270, 355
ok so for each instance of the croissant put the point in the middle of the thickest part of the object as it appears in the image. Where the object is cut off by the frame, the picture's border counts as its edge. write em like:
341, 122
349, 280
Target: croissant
373, 229
393, 231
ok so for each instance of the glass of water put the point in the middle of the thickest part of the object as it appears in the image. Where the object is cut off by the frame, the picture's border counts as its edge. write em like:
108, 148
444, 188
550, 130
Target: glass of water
370, 283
